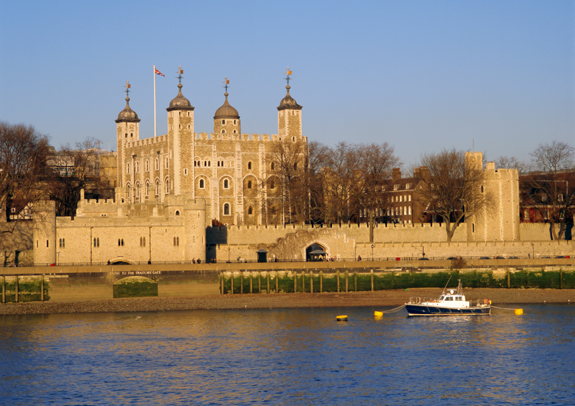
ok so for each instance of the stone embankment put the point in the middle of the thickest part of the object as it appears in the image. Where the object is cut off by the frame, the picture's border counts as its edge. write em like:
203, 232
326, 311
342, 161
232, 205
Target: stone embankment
379, 300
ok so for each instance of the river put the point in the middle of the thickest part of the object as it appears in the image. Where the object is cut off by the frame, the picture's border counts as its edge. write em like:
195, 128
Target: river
289, 356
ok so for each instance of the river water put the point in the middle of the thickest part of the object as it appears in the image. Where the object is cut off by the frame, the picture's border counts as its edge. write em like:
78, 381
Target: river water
289, 356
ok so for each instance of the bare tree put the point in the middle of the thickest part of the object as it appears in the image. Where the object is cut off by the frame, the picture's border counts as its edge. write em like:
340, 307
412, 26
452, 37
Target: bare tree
289, 159
340, 175
512, 163
376, 164
23, 154
551, 186
451, 187
318, 157
74, 169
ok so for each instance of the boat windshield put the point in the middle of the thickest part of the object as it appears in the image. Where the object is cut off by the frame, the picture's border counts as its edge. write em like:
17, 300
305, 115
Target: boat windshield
441, 297
449, 298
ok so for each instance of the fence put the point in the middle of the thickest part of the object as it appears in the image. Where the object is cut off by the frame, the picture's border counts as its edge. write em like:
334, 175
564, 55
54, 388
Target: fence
28, 288
343, 281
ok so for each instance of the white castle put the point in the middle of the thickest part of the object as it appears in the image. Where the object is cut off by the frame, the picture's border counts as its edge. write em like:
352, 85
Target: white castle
170, 188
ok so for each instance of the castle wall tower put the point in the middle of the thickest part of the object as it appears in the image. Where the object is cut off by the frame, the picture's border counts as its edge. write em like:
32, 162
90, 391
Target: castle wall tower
195, 229
178, 163
498, 219
127, 130
44, 233
289, 116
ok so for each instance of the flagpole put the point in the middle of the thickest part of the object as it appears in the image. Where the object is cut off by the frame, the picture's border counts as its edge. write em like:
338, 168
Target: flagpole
154, 73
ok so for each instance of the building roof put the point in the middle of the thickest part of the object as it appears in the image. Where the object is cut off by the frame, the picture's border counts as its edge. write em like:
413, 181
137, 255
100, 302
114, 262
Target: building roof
226, 110
288, 102
180, 102
127, 115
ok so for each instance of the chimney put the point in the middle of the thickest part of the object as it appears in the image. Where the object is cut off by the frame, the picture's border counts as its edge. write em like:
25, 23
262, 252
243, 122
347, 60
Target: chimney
396, 173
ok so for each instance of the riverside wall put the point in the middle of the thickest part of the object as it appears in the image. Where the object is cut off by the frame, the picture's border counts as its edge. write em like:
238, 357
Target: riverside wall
85, 283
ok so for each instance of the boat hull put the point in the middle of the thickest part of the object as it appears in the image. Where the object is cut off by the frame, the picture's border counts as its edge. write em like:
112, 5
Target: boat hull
416, 310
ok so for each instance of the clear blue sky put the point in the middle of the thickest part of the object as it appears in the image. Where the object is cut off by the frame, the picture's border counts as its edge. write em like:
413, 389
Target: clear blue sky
421, 75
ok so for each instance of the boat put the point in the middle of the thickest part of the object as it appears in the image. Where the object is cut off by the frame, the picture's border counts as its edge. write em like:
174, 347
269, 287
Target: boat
450, 303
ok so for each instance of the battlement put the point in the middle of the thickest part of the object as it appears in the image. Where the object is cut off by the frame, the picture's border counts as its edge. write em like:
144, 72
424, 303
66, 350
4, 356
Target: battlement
148, 141
240, 137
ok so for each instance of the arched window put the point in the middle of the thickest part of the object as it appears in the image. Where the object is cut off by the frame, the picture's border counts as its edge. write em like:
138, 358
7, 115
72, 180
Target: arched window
273, 166
157, 191
223, 131
226, 209
157, 164
226, 184
249, 165
167, 163
137, 167
177, 212
272, 185
249, 184
167, 186
202, 184
250, 210
147, 166
128, 169
223, 121
147, 188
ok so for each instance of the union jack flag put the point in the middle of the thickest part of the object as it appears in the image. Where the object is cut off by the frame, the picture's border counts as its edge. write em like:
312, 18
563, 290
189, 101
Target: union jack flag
159, 73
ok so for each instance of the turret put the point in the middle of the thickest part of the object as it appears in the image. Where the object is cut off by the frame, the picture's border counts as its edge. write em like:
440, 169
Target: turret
180, 134
227, 119
289, 116
127, 130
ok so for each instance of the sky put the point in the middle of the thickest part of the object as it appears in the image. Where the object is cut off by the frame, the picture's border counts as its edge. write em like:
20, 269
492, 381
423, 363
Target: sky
491, 76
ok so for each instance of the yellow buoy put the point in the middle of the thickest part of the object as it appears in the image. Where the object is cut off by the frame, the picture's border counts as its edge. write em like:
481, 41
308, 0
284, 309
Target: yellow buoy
341, 318
518, 312
378, 314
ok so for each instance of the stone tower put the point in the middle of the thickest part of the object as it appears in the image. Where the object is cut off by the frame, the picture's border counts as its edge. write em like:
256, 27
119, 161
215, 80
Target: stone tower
289, 116
176, 176
127, 130
45, 233
498, 220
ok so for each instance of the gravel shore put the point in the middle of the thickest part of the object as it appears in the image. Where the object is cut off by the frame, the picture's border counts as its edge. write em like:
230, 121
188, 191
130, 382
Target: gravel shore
387, 298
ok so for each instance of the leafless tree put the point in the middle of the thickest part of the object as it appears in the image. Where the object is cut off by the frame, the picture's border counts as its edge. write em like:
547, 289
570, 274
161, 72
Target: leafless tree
289, 159
341, 174
23, 153
74, 169
512, 163
451, 187
318, 156
551, 186
376, 164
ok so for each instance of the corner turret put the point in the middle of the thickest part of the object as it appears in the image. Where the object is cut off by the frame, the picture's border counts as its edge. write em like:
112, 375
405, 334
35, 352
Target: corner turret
289, 116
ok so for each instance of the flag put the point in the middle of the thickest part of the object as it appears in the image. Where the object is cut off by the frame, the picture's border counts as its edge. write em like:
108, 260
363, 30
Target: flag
288, 71
227, 81
157, 72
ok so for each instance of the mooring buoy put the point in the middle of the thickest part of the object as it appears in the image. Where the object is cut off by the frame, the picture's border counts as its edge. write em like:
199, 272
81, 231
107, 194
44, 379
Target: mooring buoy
341, 318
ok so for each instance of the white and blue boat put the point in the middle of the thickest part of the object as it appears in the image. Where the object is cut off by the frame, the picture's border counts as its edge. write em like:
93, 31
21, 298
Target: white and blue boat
450, 303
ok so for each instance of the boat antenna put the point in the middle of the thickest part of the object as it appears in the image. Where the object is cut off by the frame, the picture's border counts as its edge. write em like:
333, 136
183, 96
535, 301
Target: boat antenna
446, 284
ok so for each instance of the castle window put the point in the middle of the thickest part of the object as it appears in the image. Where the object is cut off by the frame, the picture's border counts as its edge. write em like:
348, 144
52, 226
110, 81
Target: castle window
250, 210
473, 227
226, 184
176, 241
409, 210
209, 163
273, 166
185, 171
188, 126
249, 165
62, 243
293, 139
147, 188
126, 135
177, 212
202, 184
131, 134
249, 184
167, 186
409, 198
295, 166
223, 131
167, 163
147, 166
157, 164
272, 185
97, 242
128, 169
481, 189
120, 242
47, 244
235, 121
226, 209
223, 121
157, 190
235, 132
